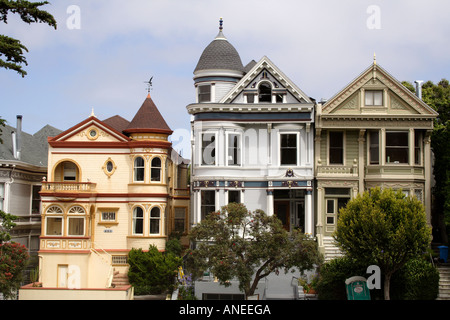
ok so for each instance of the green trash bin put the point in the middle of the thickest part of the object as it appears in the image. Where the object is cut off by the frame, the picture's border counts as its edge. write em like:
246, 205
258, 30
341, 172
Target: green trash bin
357, 288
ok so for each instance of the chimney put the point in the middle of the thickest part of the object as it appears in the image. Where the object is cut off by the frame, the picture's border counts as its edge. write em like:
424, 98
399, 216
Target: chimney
419, 88
19, 137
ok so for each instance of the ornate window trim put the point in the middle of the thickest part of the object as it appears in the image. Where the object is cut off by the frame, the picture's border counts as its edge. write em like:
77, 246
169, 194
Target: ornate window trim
109, 167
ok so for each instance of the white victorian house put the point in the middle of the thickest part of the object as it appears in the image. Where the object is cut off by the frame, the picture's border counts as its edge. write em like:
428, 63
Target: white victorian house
252, 138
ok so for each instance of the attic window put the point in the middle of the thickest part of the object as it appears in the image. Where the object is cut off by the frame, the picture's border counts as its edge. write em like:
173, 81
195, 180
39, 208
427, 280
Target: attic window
374, 98
204, 93
265, 92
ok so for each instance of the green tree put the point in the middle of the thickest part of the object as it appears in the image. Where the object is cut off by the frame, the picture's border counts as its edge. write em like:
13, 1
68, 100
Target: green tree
236, 243
6, 224
385, 228
152, 271
437, 96
12, 50
13, 260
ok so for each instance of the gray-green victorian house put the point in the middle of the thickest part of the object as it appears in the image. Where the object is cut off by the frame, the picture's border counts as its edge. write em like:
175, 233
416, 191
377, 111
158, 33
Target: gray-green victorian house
374, 132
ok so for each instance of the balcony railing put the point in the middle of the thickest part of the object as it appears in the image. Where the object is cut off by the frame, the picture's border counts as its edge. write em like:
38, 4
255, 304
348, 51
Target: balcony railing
337, 170
68, 186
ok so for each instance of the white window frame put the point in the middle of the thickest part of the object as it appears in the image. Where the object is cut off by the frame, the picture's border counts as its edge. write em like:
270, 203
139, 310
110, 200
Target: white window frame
210, 93
2, 195
134, 169
239, 160
200, 152
297, 147
160, 170
133, 224
150, 219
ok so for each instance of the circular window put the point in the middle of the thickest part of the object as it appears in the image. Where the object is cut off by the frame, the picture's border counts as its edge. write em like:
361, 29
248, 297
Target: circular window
93, 133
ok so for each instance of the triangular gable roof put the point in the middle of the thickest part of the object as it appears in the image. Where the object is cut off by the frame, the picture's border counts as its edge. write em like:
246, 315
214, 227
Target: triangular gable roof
375, 71
92, 121
148, 119
265, 63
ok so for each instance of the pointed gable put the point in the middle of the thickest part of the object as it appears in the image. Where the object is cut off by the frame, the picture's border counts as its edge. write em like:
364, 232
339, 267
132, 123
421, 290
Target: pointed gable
89, 130
266, 70
148, 119
376, 92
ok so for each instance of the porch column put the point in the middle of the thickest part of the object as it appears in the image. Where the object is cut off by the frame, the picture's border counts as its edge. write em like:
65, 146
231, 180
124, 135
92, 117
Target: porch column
308, 212
269, 202
197, 206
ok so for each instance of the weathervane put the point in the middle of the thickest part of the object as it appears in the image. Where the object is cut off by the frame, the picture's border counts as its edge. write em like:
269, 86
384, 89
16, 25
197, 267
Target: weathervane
149, 85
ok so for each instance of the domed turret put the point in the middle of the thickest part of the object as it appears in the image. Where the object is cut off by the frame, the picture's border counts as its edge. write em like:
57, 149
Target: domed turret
218, 69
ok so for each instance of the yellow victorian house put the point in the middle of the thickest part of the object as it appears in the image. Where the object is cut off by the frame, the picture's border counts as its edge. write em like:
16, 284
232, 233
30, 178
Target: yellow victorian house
112, 185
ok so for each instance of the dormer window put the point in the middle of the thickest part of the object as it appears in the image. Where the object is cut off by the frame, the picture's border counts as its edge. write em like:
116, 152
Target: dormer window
265, 92
204, 93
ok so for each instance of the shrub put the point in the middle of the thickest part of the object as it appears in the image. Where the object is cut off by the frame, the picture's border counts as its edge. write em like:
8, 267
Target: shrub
152, 272
332, 276
417, 280
13, 260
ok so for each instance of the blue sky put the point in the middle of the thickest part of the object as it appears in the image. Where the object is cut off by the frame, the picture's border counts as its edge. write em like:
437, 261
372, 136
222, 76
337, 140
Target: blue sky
103, 62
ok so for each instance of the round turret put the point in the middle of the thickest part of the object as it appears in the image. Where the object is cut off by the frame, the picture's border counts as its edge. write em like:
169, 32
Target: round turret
218, 69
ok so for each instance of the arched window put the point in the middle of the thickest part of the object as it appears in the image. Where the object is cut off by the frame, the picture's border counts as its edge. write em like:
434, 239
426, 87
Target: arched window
265, 92
139, 168
155, 215
138, 221
54, 222
75, 223
156, 169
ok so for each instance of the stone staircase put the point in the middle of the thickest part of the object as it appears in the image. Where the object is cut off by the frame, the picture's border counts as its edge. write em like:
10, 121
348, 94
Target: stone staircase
119, 279
444, 281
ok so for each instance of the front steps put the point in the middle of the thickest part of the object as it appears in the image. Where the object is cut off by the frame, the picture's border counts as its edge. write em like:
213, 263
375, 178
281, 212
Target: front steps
444, 282
119, 279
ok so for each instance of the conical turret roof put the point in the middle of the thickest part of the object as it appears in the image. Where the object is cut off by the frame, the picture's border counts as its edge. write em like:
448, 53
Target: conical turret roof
148, 119
220, 55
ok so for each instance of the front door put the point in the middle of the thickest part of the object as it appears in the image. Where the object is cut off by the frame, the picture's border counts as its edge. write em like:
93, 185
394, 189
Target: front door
282, 211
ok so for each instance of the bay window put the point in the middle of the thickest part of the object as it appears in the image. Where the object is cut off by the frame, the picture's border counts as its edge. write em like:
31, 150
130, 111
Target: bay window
397, 149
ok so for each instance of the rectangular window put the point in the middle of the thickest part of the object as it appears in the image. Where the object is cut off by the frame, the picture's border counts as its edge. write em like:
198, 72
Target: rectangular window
76, 226
336, 147
208, 204
208, 155
180, 219
234, 196
373, 98
109, 216
2, 195
35, 200
417, 148
288, 149
397, 147
374, 147
204, 93
54, 226
234, 149
330, 206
